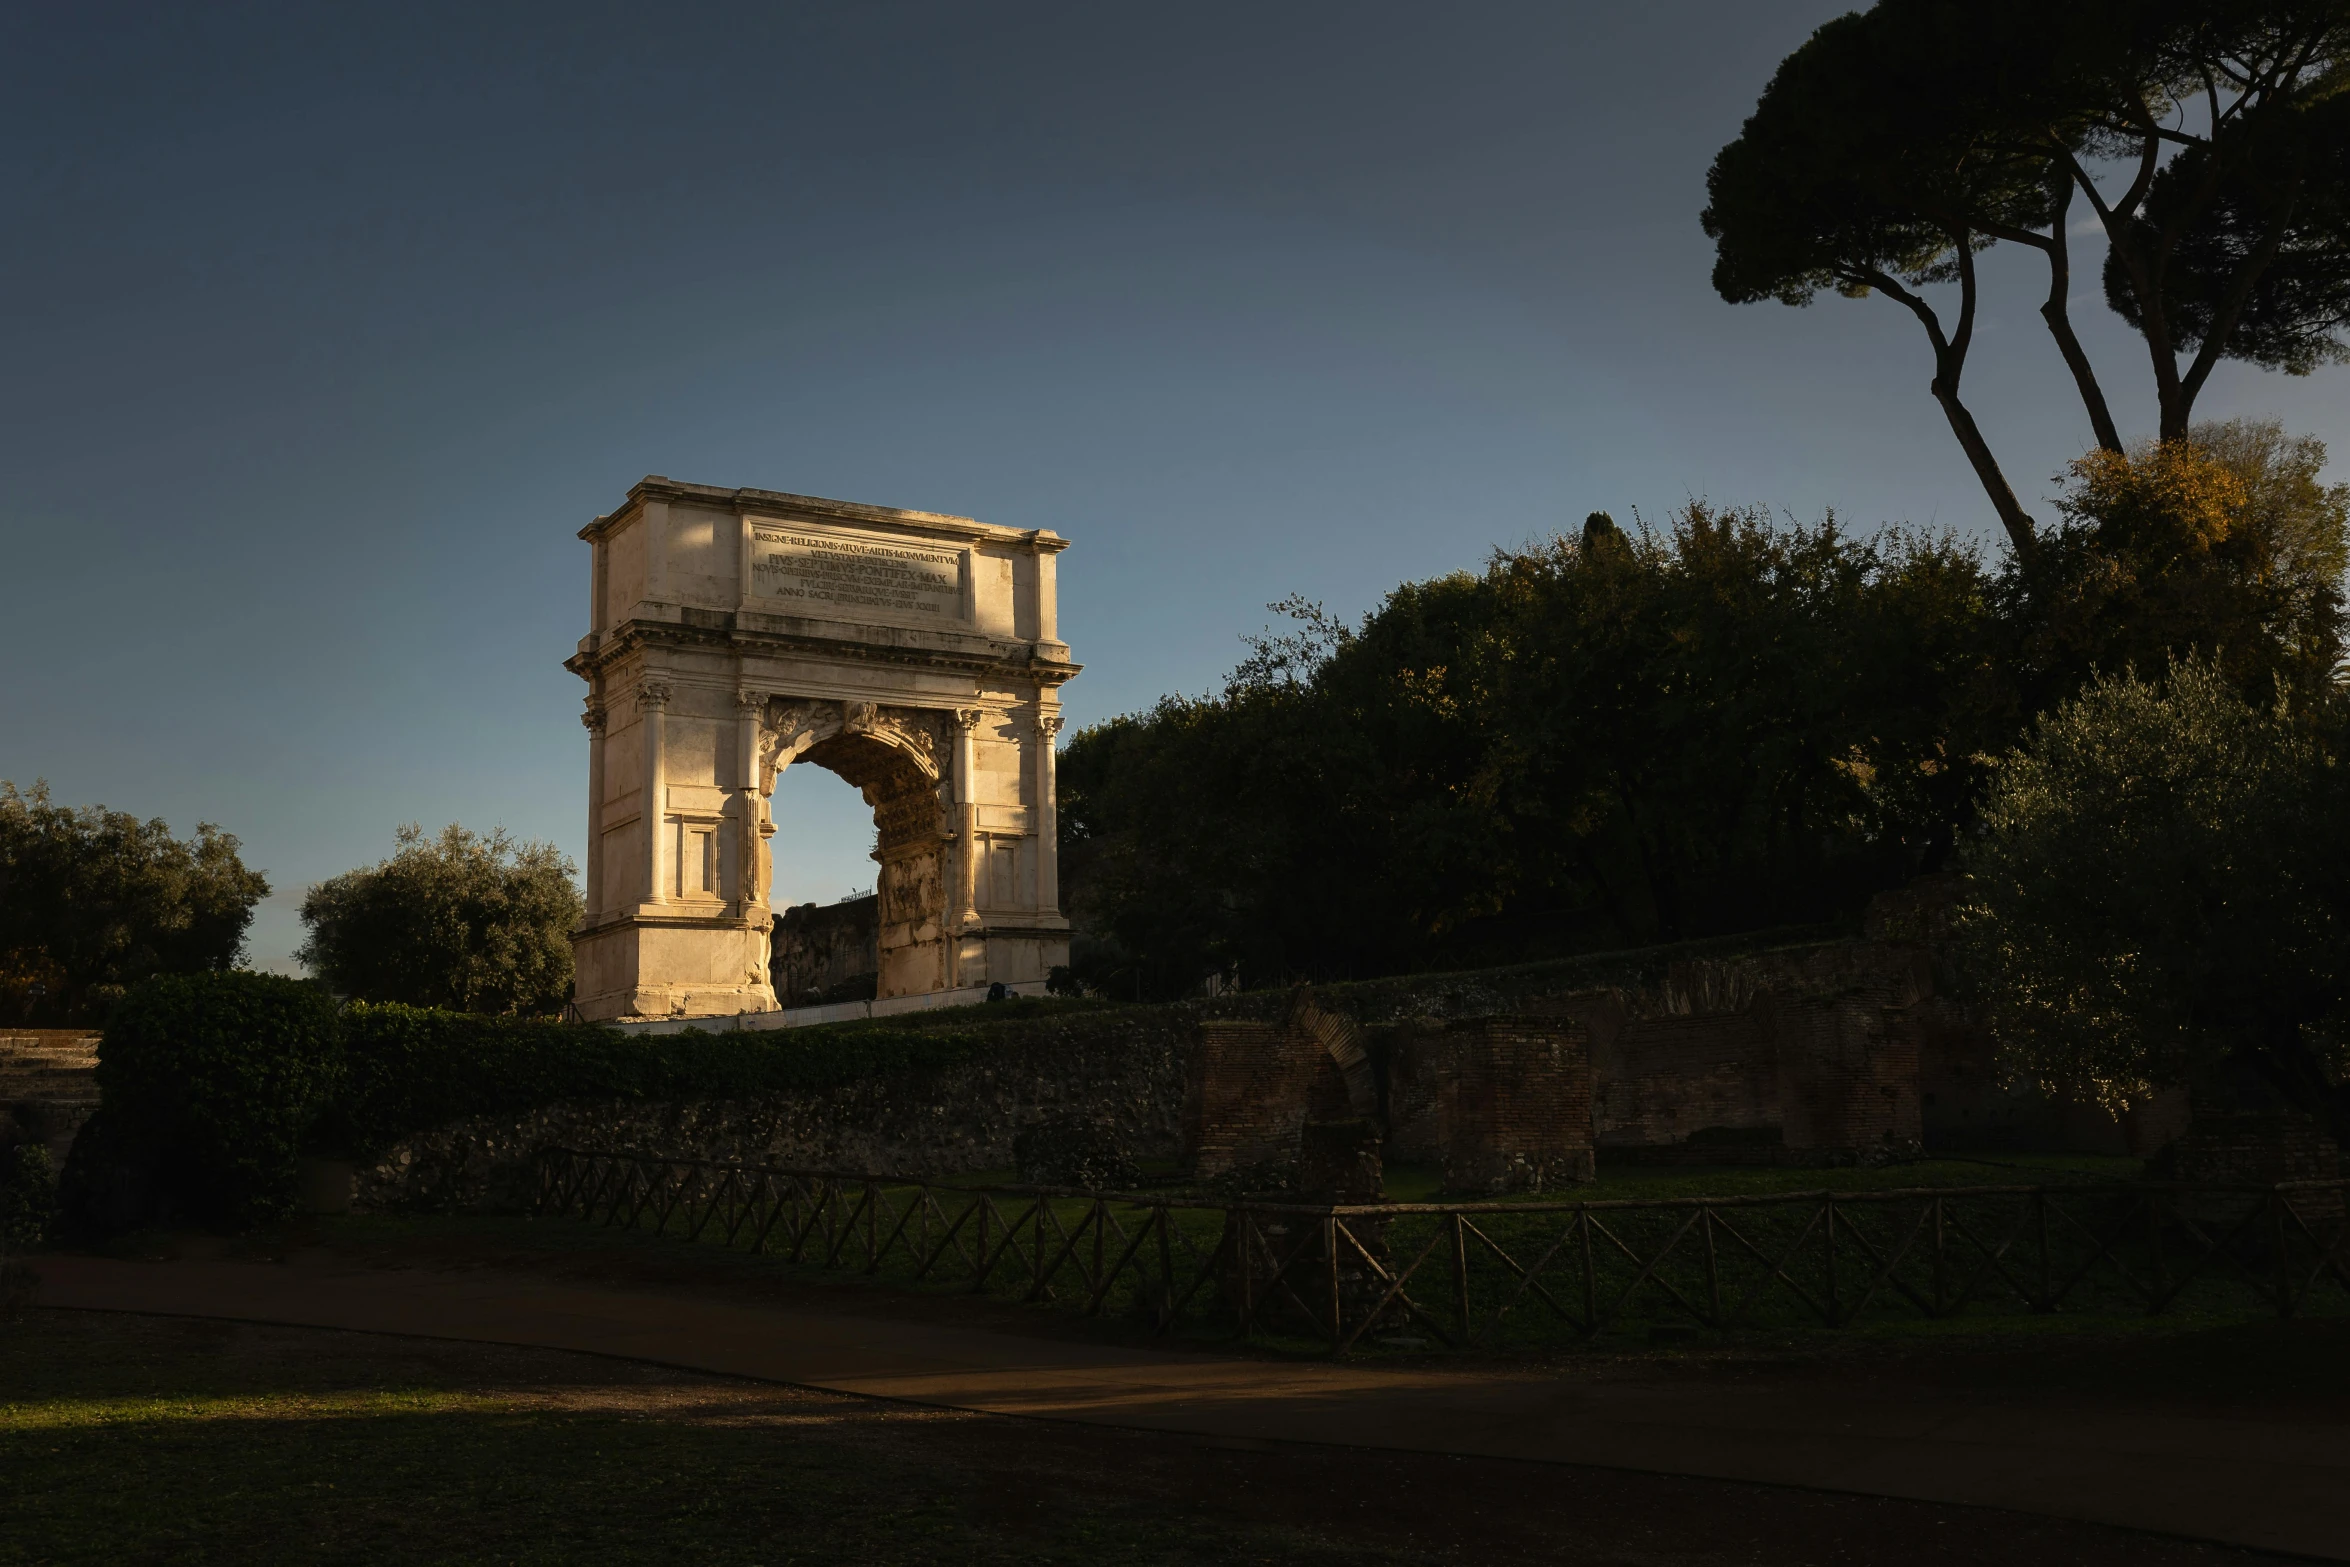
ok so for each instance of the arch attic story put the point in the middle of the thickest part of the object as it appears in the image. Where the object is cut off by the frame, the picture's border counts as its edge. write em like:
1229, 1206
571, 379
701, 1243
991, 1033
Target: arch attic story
734, 633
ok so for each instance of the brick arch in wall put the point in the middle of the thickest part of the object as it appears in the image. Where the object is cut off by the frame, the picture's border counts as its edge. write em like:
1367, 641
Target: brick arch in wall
896, 758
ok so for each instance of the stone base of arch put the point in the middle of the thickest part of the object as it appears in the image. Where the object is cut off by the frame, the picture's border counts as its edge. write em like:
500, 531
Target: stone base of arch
637, 966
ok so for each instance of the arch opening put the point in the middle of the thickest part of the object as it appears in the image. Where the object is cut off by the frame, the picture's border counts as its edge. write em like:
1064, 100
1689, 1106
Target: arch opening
910, 950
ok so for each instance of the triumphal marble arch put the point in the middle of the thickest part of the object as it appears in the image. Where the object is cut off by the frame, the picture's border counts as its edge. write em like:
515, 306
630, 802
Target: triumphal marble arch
734, 633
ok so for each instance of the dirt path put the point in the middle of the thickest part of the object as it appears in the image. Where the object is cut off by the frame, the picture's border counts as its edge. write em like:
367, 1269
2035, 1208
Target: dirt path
2276, 1481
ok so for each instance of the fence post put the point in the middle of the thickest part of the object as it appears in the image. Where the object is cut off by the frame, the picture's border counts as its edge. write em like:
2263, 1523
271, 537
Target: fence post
1166, 1312
2047, 1300
1590, 1277
2276, 1214
1940, 1277
979, 1248
1330, 1245
1244, 1252
1460, 1273
1713, 1279
1828, 1235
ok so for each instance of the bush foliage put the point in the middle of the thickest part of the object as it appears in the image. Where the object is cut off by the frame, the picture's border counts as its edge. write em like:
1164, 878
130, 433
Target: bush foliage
217, 1077
413, 1068
2161, 897
92, 901
461, 921
1652, 735
1622, 738
28, 1196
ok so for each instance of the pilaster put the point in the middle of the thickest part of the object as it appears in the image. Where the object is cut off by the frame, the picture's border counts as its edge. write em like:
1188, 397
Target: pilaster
594, 719
1047, 817
652, 708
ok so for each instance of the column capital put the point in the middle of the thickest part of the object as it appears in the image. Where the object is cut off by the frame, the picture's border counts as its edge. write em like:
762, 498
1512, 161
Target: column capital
652, 693
1048, 724
593, 716
967, 718
750, 704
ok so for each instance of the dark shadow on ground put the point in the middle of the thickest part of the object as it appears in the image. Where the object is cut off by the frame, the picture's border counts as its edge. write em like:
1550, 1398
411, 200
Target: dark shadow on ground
129, 1440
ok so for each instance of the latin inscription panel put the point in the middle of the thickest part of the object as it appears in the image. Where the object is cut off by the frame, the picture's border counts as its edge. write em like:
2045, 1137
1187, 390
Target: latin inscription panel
807, 571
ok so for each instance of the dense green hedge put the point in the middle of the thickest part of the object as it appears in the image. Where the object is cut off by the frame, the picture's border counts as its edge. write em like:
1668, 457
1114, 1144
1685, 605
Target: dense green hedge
214, 1085
216, 1078
412, 1068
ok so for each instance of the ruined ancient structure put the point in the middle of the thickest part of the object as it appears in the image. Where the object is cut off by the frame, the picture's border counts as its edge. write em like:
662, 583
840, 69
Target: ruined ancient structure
734, 633
48, 1086
1501, 1102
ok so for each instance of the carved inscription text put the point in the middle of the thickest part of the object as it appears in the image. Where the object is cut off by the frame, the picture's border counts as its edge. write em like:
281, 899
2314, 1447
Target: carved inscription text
817, 572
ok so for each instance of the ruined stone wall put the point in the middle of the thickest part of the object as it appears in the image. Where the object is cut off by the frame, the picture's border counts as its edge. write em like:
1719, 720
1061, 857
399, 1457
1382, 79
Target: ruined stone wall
48, 1085
1709, 1051
1660, 1079
1848, 1070
822, 950
1124, 1071
1806, 1048
1251, 1086
1519, 1116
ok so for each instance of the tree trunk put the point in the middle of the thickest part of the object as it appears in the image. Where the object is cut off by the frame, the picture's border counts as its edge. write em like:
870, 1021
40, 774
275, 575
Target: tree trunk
2012, 515
2057, 312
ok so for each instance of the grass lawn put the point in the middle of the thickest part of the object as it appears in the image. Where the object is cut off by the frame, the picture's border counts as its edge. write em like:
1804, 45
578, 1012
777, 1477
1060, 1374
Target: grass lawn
129, 1440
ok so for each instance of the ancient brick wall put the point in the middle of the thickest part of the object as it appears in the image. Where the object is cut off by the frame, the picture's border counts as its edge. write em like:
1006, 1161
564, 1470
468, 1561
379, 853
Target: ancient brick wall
1664, 1078
1847, 1069
1251, 1087
1519, 1111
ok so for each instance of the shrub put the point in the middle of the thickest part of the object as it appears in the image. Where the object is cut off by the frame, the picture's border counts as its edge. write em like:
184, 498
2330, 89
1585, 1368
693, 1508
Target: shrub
28, 1196
2160, 897
413, 1068
93, 901
212, 1079
481, 924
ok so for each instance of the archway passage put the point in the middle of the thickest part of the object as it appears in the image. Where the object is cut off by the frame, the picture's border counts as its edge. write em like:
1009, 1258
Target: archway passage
910, 887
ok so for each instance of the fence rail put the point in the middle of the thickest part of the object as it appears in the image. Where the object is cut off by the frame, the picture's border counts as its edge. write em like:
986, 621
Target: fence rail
1514, 1274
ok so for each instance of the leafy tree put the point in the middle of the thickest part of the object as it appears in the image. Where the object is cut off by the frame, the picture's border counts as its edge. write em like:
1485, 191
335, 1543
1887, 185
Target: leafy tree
1900, 143
2161, 896
92, 901
2222, 545
460, 921
1618, 737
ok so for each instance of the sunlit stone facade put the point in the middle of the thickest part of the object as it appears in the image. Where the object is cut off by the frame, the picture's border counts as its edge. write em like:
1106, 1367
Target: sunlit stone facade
734, 633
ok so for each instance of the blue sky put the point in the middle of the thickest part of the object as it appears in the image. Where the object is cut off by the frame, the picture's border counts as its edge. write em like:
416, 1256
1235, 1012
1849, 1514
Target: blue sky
328, 328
